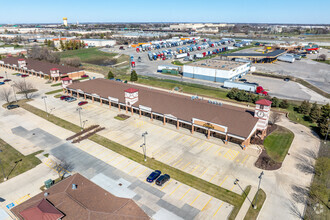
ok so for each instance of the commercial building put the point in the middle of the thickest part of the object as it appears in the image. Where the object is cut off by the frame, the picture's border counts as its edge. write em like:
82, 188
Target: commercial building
12, 51
257, 57
41, 69
211, 118
77, 198
216, 70
99, 42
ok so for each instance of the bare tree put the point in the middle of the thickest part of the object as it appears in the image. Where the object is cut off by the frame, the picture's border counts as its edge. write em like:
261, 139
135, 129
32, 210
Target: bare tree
274, 117
294, 210
25, 88
322, 57
63, 167
5, 94
76, 62
43, 53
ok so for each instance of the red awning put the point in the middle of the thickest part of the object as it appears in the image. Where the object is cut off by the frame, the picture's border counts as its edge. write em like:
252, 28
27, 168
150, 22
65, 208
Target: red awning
66, 79
54, 69
264, 102
131, 90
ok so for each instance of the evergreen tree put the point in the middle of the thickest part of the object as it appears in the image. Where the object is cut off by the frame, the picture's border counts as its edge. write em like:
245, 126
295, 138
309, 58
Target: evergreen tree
232, 94
110, 75
284, 104
275, 102
324, 121
45, 42
62, 45
134, 76
49, 43
304, 108
315, 113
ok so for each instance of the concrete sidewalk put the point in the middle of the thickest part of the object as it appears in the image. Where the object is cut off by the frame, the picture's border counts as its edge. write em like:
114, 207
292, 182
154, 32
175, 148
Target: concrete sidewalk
247, 203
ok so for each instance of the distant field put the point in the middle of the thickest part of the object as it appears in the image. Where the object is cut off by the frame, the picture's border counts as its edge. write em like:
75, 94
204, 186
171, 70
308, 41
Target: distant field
90, 57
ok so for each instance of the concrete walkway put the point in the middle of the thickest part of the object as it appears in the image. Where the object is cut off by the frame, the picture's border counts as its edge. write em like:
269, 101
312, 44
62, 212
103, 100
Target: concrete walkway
247, 203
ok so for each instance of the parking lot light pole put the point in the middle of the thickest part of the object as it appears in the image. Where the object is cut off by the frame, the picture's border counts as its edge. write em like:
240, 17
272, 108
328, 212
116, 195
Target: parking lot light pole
44, 98
255, 205
83, 124
79, 109
3, 172
144, 135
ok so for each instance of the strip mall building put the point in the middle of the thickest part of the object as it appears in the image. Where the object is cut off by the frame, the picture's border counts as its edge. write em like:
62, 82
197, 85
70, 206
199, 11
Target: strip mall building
41, 69
226, 122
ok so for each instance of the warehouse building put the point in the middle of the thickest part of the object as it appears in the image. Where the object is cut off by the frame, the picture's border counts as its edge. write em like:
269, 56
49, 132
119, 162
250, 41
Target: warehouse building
216, 70
99, 42
211, 118
269, 57
41, 69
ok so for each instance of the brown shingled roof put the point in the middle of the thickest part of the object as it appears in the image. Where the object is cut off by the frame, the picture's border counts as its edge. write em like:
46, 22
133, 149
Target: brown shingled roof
42, 66
239, 121
88, 201
41, 211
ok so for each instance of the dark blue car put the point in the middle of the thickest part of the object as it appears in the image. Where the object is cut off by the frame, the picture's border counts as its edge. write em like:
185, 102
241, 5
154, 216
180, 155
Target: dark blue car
153, 176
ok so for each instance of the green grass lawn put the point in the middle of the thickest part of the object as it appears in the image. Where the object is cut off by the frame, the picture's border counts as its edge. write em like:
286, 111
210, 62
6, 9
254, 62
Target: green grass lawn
204, 186
278, 143
326, 61
10, 155
299, 118
194, 89
54, 91
252, 213
87, 54
178, 63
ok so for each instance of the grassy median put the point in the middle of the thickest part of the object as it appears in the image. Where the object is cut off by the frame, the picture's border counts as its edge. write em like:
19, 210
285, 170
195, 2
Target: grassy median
202, 185
252, 213
14, 163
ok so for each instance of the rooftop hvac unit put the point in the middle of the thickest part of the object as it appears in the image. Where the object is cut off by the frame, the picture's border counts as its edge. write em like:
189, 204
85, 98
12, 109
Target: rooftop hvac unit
46, 194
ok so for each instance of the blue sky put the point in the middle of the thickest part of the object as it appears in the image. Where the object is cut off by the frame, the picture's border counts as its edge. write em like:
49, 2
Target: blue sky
238, 11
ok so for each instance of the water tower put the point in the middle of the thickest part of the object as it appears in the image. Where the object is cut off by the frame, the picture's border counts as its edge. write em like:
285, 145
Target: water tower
65, 22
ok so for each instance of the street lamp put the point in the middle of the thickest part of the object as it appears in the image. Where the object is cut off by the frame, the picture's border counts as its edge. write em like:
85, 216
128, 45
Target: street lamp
3, 172
44, 98
144, 145
6, 75
79, 110
83, 124
255, 205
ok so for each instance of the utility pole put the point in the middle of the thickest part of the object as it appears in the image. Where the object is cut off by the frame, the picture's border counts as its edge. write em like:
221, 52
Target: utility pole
144, 135
255, 205
79, 109
3, 172
44, 98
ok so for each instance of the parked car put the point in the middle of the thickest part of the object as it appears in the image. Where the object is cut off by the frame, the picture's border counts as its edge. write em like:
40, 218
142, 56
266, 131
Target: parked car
64, 97
243, 80
162, 179
7, 80
2, 83
70, 99
18, 74
12, 106
24, 75
153, 176
121, 48
118, 80
85, 76
286, 79
82, 103
1, 77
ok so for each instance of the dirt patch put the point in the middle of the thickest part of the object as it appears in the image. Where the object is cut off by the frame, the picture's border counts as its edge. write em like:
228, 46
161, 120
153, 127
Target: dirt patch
102, 62
266, 163
257, 140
